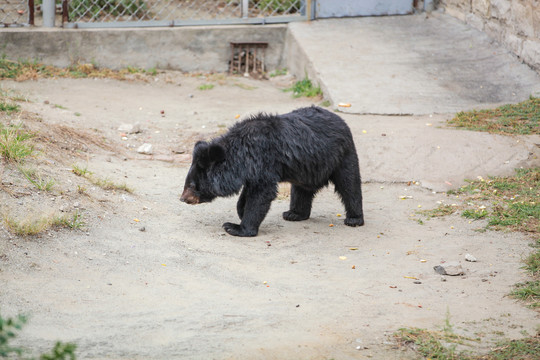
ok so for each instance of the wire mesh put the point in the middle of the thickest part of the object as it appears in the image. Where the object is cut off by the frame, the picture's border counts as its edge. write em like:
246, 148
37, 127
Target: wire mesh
101, 11
14, 12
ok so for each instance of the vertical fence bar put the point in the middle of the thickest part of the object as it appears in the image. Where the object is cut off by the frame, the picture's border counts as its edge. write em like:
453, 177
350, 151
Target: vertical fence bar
31, 12
65, 12
49, 10
245, 9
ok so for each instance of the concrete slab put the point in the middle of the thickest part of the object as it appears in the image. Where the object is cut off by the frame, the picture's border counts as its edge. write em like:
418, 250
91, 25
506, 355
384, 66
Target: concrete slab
413, 64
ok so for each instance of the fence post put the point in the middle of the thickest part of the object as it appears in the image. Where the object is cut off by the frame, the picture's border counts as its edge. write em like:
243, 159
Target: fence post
31, 12
49, 10
245, 9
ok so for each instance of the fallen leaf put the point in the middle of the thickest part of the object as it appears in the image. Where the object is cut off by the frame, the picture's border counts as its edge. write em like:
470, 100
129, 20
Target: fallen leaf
411, 277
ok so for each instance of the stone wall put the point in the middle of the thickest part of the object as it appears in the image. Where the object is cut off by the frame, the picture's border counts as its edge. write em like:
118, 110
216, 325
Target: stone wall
514, 23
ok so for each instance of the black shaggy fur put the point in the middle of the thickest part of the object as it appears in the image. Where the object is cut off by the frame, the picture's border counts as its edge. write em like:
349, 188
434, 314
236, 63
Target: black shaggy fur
308, 148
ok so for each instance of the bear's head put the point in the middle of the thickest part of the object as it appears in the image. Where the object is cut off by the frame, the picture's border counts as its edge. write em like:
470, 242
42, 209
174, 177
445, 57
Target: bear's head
198, 187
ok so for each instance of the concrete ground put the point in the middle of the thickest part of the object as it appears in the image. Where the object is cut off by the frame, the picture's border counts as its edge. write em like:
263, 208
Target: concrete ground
416, 64
152, 278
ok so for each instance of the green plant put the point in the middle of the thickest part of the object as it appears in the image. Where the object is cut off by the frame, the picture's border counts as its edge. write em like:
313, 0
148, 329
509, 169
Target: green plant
441, 210
8, 331
14, 144
522, 118
9, 328
279, 72
9, 108
103, 183
80, 171
304, 88
73, 221
528, 292
475, 214
206, 87
36, 180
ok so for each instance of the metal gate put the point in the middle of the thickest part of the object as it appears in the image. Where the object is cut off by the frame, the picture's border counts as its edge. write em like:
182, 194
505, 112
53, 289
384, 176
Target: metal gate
141, 13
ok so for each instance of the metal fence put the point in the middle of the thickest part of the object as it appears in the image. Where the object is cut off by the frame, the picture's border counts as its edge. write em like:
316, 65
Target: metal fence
16, 12
129, 13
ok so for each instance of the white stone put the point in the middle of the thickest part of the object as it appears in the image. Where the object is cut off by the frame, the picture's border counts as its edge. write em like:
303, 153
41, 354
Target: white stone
145, 149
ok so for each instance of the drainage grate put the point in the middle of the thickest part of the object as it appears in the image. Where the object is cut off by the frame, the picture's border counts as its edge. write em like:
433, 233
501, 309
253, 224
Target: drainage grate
247, 58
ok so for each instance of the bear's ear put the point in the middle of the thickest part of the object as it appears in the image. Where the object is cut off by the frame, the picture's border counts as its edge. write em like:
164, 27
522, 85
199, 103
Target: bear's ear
216, 153
206, 154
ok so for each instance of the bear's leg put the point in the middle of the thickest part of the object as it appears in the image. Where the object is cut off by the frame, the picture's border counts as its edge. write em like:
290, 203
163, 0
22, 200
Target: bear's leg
257, 201
348, 185
301, 200
241, 204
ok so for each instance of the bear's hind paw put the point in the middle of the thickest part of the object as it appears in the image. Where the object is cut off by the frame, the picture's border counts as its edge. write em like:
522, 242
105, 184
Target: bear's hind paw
293, 216
357, 221
238, 230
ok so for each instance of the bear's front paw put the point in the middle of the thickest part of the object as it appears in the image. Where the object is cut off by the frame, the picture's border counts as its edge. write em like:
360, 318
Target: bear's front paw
293, 216
238, 230
357, 221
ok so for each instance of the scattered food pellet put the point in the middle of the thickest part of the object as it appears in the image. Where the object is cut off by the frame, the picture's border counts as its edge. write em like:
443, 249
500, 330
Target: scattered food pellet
364, 131
344, 104
353, 267
342, 258
331, 225
237, 116
338, 215
136, 220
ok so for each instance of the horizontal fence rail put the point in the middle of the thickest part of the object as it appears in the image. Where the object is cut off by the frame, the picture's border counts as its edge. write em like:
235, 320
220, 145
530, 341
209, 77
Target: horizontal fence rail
141, 13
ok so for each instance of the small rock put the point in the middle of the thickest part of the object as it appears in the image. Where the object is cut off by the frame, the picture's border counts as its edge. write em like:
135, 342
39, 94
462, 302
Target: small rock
130, 128
451, 268
142, 228
470, 258
145, 149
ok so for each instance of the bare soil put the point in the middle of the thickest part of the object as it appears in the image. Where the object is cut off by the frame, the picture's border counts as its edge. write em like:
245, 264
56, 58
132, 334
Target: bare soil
152, 278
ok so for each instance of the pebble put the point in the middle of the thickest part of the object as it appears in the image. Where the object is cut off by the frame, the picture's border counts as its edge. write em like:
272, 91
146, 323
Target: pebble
450, 268
470, 258
142, 228
130, 128
145, 149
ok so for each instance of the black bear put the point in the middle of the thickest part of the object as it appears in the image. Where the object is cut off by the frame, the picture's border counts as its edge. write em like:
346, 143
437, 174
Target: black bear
308, 147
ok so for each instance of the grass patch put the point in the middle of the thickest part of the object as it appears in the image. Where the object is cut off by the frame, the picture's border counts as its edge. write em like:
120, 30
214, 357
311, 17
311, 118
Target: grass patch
528, 292
9, 108
14, 143
304, 88
103, 183
31, 70
36, 180
31, 226
434, 344
279, 72
522, 118
514, 200
441, 210
204, 87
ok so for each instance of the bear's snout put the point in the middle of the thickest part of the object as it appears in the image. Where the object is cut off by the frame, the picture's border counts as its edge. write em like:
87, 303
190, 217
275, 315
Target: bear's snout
189, 197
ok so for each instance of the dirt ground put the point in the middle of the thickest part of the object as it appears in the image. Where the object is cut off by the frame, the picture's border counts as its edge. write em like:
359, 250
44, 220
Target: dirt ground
149, 277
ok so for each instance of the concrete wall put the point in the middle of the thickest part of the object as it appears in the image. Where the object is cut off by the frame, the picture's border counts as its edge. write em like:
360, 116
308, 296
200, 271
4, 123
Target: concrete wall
514, 23
179, 48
